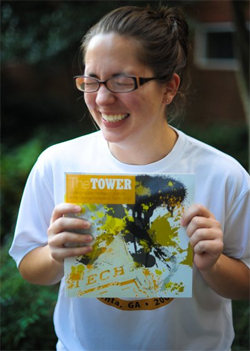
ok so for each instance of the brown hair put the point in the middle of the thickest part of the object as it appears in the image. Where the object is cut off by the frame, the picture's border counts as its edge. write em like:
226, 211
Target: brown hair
162, 34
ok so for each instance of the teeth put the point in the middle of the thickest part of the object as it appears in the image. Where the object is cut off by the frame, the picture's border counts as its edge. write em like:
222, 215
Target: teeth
114, 118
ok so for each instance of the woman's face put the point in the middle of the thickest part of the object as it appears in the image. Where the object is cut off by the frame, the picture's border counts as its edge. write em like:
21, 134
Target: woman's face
126, 119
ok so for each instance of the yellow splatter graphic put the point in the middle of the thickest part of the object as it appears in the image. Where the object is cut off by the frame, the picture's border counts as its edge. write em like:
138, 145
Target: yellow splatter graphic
158, 272
113, 225
91, 207
189, 258
175, 287
99, 214
145, 245
109, 230
162, 232
146, 272
152, 282
141, 190
75, 276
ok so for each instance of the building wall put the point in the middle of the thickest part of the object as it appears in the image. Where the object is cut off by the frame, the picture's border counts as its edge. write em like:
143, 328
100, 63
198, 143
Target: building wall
215, 96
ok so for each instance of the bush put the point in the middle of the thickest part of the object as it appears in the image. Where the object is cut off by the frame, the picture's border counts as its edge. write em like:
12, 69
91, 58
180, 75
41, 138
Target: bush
15, 167
241, 313
27, 322
26, 309
16, 164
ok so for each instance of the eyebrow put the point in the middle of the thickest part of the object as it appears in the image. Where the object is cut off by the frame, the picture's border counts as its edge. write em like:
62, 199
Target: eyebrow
114, 75
91, 75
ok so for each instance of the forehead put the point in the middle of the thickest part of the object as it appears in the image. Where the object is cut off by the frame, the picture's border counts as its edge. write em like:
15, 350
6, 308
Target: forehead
112, 52
111, 42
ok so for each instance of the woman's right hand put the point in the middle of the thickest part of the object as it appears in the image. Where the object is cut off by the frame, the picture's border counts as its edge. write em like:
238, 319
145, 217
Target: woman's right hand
60, 233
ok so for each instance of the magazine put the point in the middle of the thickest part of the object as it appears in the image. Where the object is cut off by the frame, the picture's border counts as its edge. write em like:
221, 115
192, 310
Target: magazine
140, 250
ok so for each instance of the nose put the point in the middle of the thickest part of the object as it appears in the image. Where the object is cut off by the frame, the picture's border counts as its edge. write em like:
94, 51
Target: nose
104, 96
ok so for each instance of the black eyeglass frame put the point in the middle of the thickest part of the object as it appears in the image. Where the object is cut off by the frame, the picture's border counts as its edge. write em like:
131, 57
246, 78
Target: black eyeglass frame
138, 81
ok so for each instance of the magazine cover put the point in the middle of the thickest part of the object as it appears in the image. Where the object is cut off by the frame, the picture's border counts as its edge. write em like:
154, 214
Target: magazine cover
140, 249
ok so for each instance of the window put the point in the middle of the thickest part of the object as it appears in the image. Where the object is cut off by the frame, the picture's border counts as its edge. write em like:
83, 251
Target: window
214, 48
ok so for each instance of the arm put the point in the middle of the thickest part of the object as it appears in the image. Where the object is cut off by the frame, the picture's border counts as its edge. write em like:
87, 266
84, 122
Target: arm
44, 265
227, 276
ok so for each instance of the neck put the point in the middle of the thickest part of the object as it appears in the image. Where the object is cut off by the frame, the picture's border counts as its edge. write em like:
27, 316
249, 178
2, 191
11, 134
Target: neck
145, 151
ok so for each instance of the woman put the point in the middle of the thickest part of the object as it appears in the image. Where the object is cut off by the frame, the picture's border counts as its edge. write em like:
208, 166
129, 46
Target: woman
135, 63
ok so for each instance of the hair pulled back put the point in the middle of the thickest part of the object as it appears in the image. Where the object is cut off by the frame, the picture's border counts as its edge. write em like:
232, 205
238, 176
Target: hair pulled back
162, 37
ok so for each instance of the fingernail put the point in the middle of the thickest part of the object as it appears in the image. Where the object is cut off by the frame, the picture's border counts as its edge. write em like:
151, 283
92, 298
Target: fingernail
88, 249
86, 225
88, 238
77, 208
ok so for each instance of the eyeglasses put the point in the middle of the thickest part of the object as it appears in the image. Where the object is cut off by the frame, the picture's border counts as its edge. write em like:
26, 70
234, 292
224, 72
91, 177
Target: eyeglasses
116, 84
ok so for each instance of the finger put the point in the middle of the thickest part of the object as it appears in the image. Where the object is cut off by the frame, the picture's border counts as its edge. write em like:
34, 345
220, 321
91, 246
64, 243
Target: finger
211, 247
61, 253
62, 209
66, 238
193, 211
205, 234
197, 223
67, 224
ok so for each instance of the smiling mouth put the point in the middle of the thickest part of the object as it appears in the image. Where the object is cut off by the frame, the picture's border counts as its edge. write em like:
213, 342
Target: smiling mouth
114, 118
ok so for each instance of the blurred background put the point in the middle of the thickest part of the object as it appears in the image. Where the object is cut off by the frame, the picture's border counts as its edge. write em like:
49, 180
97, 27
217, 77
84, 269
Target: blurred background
40, 106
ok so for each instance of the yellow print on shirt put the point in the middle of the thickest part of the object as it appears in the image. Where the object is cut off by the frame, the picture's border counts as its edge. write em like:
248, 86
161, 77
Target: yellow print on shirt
137, 305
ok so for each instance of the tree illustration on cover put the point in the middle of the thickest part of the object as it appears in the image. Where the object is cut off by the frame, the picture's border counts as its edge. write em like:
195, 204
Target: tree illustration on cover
149, 238
151, 192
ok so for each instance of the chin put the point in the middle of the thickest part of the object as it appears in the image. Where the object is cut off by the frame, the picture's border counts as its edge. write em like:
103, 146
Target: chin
114, 138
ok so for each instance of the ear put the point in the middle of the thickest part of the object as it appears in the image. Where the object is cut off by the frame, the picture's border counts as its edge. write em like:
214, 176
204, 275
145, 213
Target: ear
171, 89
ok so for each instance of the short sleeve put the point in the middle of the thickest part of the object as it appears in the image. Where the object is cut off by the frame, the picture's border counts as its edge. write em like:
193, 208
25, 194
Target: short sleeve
35, 212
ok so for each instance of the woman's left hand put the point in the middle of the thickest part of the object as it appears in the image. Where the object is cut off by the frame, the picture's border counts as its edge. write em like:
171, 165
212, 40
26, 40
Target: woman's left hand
205, 234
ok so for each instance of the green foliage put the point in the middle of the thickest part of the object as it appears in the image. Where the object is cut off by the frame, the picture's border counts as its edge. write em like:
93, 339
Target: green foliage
15, 166
36, 31
241, 312
26, 310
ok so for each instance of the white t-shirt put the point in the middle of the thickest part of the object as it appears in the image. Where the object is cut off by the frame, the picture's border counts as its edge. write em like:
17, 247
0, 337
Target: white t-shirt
203, 322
